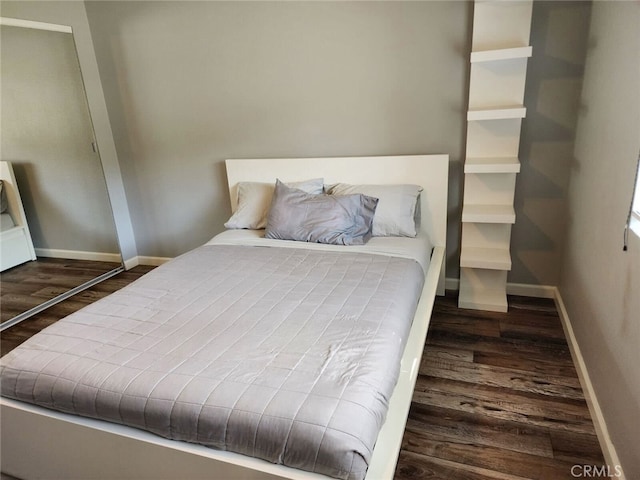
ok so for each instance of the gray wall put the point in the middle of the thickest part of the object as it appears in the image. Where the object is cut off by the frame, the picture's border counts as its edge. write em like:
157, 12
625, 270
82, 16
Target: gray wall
47, 135
559, 32
189, 84
600, 283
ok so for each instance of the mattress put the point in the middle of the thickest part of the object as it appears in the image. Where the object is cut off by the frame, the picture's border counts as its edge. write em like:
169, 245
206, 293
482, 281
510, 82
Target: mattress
417, 248
285, 354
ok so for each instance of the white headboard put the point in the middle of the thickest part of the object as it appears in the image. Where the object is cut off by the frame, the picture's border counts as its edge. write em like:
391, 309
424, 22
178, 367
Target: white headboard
431, 172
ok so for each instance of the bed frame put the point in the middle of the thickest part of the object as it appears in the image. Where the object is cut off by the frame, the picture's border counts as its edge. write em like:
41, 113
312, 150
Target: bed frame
16, 246
40, 443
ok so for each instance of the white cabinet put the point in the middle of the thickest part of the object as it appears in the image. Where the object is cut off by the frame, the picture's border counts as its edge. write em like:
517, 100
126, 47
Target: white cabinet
500, 50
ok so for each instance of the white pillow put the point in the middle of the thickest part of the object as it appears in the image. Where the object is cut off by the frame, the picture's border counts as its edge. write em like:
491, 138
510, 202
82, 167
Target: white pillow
254, 200
397, 211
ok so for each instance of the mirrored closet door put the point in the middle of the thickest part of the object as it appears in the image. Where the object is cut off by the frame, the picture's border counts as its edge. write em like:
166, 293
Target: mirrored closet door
47, 137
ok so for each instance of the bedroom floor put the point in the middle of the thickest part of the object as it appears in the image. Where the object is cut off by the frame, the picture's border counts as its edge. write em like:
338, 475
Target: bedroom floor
497, 396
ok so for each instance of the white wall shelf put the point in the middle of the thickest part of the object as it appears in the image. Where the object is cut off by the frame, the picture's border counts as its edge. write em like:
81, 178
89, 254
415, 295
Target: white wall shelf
483, 289
492, 165
487, 299
499, 56
490, 258
497, 113
488, 214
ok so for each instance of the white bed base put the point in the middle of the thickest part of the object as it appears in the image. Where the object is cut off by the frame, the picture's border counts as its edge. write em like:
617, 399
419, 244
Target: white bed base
16, 246
40, 443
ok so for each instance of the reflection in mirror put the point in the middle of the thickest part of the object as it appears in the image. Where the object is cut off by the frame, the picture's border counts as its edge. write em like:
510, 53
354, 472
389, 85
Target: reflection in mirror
47, 139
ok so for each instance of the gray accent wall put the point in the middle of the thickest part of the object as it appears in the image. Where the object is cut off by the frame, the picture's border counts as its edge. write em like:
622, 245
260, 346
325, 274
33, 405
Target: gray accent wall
189, 84
559, 32
600, 284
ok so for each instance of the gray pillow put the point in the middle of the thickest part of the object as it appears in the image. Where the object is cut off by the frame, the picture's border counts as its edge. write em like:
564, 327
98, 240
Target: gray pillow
333, 219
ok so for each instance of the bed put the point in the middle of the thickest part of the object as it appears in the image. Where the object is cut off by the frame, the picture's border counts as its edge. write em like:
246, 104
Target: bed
62, 445
16, 246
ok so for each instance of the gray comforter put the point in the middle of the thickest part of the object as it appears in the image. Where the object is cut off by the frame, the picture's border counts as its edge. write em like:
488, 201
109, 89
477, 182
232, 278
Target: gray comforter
289, 355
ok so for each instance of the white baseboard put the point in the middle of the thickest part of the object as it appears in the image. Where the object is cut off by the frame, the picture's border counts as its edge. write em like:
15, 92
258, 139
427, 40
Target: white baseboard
522, 289
78, 255
154, 261
143, 260
528, 290
608, 449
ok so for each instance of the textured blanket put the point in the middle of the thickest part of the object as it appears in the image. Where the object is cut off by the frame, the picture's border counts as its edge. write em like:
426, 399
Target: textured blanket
289, 355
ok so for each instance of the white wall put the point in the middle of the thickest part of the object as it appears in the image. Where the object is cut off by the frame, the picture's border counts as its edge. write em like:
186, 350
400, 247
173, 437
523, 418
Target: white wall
600, 284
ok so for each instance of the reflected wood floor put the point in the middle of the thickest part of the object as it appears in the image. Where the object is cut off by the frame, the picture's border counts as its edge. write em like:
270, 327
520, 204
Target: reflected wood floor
14, 336
33, 283
497, 396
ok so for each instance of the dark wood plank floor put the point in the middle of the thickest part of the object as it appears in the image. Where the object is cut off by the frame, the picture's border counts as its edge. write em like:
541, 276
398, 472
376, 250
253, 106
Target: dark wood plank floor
33, 283
497, 396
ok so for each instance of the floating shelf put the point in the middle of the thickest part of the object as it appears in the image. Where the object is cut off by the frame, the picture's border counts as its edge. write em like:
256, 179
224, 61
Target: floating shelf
490, 258
501, 54
483, 289
488, 214
492, 165
485, 299
497, 113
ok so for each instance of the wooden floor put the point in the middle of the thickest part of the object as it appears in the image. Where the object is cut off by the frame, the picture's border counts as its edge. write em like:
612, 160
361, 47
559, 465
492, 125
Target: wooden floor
497, 396
33, 283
